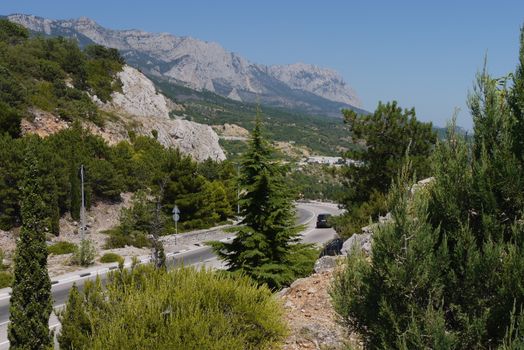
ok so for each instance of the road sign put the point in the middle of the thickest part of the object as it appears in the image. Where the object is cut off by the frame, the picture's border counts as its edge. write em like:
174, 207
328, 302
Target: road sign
176, 218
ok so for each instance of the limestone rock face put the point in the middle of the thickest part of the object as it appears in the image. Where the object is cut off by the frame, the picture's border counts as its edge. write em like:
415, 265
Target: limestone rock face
320, 81
148, 110
139, 96
198, 140
360, 241
140, 108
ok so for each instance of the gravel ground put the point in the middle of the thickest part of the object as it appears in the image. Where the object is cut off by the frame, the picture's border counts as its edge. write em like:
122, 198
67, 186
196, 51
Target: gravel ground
312, 321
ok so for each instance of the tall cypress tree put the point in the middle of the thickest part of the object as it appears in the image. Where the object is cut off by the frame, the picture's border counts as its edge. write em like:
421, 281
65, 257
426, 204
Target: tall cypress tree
31, 303
266, 247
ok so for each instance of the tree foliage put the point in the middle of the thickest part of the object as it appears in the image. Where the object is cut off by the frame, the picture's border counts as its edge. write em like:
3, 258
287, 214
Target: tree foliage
52, 74
31, 291
202, 193
75, 324
266, 247
447, 272
383, 140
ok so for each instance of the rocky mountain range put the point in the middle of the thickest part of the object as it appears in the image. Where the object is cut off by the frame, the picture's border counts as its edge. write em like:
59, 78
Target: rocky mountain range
208, 66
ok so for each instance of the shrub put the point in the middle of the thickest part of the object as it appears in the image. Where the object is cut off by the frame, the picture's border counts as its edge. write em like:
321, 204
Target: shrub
61, 248
2, 266
5, 279
180, 309
117, 239
85, 254
111, 257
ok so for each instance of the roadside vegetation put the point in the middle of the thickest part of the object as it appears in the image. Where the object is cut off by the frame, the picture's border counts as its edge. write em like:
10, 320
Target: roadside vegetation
181, 309
62, 247
204, 193
447, 271
385, 138
5, 276
111, 258
56, 71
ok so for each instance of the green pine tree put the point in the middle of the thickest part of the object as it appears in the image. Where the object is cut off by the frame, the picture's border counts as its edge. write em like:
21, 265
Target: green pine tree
446, 273
266, 247
76, 325
31, 303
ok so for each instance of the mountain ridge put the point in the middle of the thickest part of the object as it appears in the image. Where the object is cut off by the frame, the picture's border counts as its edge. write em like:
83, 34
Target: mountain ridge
208, 66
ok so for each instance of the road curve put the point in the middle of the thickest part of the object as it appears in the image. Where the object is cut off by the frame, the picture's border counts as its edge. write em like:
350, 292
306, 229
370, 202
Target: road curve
306, 215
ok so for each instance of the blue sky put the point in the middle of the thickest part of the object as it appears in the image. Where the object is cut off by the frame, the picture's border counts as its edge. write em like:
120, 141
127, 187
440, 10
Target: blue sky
424, 54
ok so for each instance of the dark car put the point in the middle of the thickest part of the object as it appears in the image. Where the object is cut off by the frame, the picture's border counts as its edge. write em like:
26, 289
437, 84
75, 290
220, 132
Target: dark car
323, 221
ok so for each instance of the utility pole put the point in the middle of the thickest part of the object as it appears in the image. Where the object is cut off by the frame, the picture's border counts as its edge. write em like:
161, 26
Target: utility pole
82, 207
238, 189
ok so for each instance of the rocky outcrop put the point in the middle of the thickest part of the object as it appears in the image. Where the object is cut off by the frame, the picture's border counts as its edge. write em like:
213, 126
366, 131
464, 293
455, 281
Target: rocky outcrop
198, 140
325, 263
207, 65
358, 241
231, 130
320, 81
147, 110
140, 108
139, 96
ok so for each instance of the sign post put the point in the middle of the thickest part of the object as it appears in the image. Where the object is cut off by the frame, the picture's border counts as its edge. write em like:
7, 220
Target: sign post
176, 218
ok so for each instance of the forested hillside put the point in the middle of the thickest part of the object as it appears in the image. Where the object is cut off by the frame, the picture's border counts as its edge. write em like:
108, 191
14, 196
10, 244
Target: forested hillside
318, 134
55, 75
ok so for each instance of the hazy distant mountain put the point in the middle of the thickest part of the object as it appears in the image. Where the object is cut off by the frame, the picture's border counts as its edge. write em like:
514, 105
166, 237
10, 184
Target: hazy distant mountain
205, 65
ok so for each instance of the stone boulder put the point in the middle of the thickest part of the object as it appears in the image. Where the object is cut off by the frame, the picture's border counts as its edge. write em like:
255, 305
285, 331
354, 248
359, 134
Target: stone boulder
325, 263
361, 242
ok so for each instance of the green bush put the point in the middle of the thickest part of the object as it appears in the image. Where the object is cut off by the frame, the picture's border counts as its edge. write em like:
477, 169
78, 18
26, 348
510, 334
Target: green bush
117, 239
5, 279
61, 248
111, 258
2, 266
85, 254
148, 308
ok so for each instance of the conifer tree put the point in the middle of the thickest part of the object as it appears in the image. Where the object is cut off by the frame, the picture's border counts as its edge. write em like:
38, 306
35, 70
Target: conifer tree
446, 273
76, 325
31, 292
266, 247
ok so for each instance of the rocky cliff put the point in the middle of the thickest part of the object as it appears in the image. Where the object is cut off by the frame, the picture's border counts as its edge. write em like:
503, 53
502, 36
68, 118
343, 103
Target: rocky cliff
139, 107
208, 66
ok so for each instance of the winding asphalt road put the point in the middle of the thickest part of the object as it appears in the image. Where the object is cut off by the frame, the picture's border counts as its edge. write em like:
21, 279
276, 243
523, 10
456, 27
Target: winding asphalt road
306, 215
